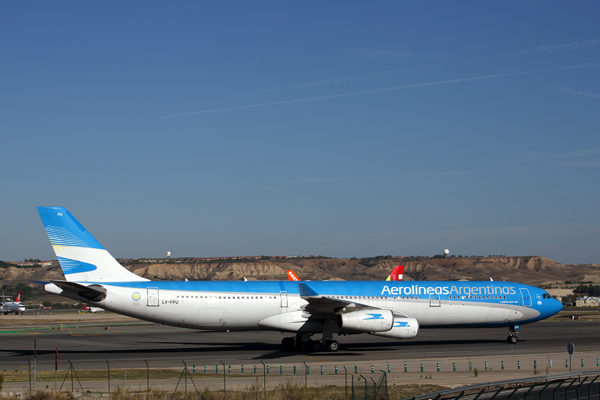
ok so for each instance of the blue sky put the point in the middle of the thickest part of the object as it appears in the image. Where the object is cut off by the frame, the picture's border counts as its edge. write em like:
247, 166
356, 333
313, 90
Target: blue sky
346, 129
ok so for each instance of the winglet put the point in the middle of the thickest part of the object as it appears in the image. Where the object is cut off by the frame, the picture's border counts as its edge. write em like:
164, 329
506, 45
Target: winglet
306, 291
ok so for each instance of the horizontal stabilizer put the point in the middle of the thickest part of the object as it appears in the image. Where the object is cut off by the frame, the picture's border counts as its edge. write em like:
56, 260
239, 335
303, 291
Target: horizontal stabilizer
41, 282
91, 292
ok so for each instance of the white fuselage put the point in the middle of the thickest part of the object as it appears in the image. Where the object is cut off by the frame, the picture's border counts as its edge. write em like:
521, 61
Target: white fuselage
11, 306
280, 310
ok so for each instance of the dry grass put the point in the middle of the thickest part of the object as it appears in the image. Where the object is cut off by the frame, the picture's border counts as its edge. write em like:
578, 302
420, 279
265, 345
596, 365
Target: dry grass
284, 391
101, 375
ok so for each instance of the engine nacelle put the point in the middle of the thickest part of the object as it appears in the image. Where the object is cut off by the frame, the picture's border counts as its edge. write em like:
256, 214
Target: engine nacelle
404, 328
367, 320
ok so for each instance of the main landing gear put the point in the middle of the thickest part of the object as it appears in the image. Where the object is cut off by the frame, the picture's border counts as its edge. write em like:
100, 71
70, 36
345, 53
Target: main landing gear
305, 344
512, 334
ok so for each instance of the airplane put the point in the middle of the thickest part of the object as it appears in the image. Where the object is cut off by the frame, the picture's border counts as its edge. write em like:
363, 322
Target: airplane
391, 309
13, 306
396, 274
292, 276
92, 309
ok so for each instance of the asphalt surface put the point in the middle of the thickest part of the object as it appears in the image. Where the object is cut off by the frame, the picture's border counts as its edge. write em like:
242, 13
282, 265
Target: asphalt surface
132, 344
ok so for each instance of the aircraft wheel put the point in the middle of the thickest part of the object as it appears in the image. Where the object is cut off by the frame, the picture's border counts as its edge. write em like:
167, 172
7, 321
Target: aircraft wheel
512, 339
304, 345
332, 345
316, 345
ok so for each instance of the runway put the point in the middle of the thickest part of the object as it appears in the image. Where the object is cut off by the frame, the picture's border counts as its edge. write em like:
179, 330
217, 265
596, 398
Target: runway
131, 344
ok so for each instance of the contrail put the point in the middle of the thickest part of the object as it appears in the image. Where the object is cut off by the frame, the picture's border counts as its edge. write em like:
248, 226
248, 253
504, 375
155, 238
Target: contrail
385, 176
352, 93
444, 82
560, 47
581, 93
337, 81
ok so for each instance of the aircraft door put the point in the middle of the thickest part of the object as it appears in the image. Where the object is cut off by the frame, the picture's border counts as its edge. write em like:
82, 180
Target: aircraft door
152, 297
526, 297
284, 300
434, 300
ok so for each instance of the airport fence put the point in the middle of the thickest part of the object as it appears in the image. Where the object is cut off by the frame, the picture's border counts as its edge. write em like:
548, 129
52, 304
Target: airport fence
376, 391
580, 386
142, 374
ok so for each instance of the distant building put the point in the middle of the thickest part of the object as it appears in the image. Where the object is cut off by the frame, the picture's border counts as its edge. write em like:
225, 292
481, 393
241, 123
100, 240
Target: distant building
588, 302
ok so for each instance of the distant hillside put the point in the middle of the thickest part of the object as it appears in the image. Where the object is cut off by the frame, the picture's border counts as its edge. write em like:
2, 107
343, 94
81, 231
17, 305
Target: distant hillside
533, 270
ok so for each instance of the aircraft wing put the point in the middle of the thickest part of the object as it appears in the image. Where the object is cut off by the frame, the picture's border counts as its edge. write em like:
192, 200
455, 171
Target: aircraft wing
323, 306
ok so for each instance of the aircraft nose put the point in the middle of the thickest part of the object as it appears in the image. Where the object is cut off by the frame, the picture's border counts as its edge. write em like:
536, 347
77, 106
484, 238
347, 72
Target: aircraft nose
555, 306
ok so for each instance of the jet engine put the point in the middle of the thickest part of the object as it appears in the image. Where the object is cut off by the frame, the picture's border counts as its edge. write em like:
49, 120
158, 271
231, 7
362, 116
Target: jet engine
367, 320
404, 328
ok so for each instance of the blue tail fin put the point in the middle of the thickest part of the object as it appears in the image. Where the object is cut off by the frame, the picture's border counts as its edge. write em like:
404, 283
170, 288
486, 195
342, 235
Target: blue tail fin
81, 257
